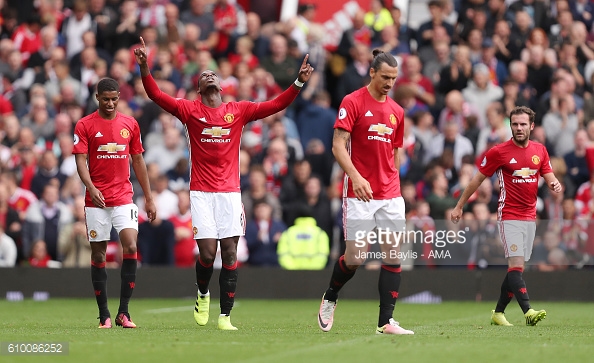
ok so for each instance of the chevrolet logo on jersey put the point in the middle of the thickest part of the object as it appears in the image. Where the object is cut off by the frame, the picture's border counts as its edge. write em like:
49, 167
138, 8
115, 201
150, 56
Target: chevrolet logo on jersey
381, 129
112, 148
524, 172
216, 132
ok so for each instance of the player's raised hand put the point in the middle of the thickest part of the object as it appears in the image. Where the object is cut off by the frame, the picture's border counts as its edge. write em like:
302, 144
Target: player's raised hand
362, 189
305, 71
150, 209
97, 197
140, 53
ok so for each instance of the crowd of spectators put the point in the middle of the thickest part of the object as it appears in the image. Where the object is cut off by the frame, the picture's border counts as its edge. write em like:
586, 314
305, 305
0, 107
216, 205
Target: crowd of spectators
460, 73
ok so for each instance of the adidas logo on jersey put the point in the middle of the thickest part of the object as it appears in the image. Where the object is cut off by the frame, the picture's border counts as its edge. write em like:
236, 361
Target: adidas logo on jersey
203, 119
98, 134
368, 114
513, 161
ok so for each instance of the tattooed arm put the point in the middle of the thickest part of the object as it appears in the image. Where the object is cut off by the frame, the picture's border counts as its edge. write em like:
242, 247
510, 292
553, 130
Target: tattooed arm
361, 187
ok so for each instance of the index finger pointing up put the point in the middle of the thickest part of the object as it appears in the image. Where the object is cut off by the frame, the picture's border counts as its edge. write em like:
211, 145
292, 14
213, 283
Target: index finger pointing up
142, 42
305, 60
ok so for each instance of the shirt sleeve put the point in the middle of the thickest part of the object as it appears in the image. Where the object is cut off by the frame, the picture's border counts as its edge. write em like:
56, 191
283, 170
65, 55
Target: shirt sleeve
81, 142
545, 166
279, 103
347, 114
136, 141
161, 98
490, 163
398, 140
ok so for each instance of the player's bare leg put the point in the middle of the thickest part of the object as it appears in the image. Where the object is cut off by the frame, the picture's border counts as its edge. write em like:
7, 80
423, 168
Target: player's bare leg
208, 250
99, 279
228, 280
128, 238
389, 286
344, 270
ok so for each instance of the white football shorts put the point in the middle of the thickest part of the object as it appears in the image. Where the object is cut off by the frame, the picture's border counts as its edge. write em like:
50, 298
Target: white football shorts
100, 220
217, 215
361, 217
517, 238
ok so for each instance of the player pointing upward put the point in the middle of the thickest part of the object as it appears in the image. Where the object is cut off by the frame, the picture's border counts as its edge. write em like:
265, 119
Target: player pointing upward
214, 132
367, 134
518, 162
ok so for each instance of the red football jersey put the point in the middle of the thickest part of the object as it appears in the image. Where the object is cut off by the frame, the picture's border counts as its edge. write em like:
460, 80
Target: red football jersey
377, 128
518, 170
214, 134
108, 144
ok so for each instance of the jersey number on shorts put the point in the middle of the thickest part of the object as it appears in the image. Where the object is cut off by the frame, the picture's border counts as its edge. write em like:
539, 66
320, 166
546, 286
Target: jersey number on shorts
134, 215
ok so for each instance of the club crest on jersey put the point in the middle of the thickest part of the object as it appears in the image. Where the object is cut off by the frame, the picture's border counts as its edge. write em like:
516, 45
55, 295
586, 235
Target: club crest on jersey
93, 233
513, 248
195, 230
125, 133
392, 119
229, 118
535, 159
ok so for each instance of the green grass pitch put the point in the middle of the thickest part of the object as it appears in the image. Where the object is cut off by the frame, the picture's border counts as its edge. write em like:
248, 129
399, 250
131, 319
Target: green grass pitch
286, 331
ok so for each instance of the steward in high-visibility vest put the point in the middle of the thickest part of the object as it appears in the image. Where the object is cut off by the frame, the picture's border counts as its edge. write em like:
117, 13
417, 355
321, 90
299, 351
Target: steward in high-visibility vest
304, 246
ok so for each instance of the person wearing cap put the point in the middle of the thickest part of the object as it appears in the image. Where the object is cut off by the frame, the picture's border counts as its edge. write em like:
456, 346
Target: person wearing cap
497, 68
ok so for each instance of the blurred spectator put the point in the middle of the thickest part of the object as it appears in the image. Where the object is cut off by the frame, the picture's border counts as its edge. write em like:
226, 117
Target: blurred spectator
163, 68
39, 120
8, 250
11, 128
276, 165
227, 81
497, 128
10, 221
47, 171
439, 199
538, 37
280, 64
497, 69
179, 175
437, 58
358, 33
302, 24
423, 86
321, 161
261, 43
262, 234
167, 155
520, 32
61, 84
458, 73
426, 31
316, 120
561, 125
452, 140
83, 62
355, 75
257, 193
199, 15
292, 191
481, 91
226, 20
105, 19
165, 200
304, 246
74, 26
39, 256
27, 39
501, 39
577, 167
150, 13
185, 245
127, 29
378, 17
19, 199
156, 239
16, 96
172, 31
73, 246
456, 110
277, 130
45, 219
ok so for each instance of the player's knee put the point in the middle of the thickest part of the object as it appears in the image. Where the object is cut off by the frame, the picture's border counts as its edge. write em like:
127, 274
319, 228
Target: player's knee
207, 259
98, 256
130, 248
229, 258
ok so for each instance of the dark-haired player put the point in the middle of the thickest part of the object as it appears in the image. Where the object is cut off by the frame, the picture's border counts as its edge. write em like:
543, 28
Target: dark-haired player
214, 130
368, 131
518, 162
103, 143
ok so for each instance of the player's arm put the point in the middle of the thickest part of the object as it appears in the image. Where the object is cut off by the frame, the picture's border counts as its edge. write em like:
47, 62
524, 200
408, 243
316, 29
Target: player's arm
139, 167
361, 187
552, 182
161, 98
476, 181
85, 177
396, 159
282, 101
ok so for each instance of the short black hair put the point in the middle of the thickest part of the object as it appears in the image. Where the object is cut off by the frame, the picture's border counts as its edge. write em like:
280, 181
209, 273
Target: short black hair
108, 85
380, 57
